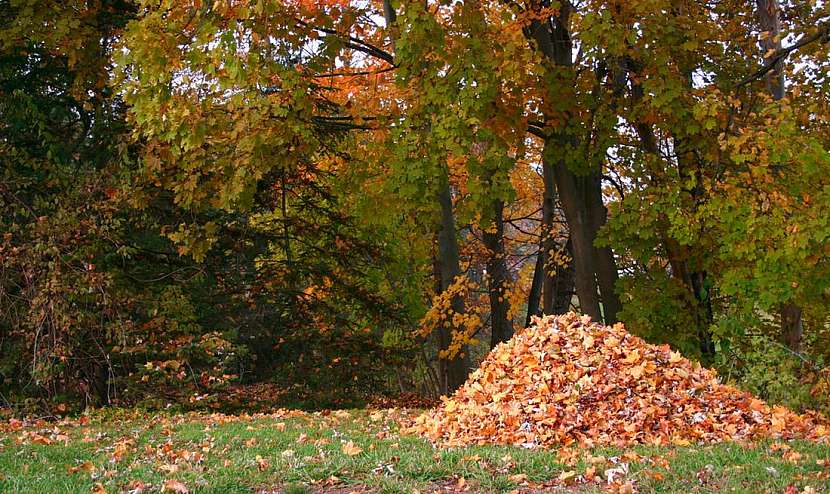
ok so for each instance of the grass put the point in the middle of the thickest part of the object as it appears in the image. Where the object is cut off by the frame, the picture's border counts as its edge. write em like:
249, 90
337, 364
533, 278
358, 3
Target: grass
344, 451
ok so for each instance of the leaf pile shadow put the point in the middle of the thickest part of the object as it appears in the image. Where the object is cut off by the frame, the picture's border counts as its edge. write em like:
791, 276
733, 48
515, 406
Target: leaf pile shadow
566, 380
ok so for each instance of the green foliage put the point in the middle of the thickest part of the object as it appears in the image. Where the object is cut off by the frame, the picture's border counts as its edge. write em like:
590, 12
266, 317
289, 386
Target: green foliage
657, 310
774, 373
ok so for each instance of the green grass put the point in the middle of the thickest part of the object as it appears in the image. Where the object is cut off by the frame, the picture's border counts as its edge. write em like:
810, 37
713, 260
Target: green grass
219, 454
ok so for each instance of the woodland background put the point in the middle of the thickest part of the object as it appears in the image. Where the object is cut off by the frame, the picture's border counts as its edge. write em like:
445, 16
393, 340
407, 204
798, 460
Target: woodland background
326, 201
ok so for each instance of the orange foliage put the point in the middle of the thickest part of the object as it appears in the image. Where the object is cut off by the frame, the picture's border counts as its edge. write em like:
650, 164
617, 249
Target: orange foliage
567, 380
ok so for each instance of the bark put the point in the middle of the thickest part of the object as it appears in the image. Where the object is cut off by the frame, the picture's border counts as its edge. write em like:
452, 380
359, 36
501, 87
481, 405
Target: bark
548, 243
561, 288
579, 194
568, 186
564, 286
606, 266
498, 278
453, 372
534, 296
792, 327
769, 18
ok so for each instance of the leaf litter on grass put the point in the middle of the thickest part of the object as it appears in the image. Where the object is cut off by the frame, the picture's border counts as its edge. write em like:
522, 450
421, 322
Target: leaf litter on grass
566, 380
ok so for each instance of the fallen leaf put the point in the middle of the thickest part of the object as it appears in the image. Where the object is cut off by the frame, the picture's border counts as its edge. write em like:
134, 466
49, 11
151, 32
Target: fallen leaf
175, 486
263, 463
567, 476
351, 449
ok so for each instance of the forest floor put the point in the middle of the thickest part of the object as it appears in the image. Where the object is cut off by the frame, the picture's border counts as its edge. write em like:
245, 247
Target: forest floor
119, 451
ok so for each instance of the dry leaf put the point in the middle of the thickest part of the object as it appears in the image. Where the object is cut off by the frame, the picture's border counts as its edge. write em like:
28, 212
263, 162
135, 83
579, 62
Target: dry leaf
351, 449
567, 381
263, 463
567, 476
175, 486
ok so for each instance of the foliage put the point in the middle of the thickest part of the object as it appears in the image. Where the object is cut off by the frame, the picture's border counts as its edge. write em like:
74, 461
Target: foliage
566, 381
206, 192
775, 373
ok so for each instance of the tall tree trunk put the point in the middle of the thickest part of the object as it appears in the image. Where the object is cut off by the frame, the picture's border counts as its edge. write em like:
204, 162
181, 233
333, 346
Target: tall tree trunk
568, 186
453, 371
577, 192
548, 243
497, 278
769, 18
695, 276
604, 257
692, 278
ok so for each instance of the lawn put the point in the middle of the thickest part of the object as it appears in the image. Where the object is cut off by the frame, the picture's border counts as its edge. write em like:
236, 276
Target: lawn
361, 450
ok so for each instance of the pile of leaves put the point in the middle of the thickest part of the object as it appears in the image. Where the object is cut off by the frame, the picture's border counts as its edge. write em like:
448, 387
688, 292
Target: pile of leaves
567, 380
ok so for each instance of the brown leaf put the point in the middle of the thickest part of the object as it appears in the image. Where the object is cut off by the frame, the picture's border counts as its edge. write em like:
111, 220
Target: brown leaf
175, 486
568, 381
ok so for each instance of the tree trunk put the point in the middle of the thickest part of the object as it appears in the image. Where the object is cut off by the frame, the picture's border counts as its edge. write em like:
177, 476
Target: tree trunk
577, 193
453, 371
792, 328
692, 278
568, 186
604, 256
769, 18
534, 296
548, 243
497, 278
565, 279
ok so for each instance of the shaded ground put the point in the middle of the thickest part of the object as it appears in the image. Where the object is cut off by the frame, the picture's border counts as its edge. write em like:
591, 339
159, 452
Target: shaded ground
361, 451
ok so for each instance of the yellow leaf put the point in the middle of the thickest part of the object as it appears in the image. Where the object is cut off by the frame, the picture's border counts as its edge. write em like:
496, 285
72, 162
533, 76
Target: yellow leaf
588, 342
566, 476
633, 357
351, 449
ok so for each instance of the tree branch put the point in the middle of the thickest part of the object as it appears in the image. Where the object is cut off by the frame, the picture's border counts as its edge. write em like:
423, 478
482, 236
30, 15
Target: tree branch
822, 36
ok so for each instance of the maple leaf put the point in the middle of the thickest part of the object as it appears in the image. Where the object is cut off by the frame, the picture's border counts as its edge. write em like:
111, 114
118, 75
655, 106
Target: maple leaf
86, 466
